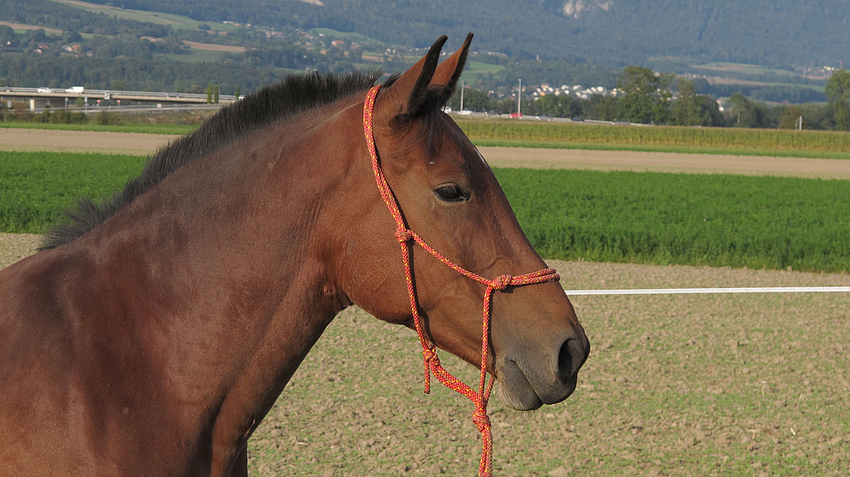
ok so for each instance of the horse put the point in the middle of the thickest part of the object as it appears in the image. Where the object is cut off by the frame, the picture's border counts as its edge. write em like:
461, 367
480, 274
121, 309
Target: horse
152, 332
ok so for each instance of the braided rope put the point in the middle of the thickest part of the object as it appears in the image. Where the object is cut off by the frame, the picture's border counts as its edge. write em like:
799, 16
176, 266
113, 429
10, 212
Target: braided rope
429, 351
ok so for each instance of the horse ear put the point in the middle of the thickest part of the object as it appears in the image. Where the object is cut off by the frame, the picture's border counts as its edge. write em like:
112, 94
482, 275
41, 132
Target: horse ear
448, 73
407, 94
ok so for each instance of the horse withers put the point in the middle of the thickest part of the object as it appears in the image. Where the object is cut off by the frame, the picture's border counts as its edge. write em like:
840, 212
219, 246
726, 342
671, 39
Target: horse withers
154, 331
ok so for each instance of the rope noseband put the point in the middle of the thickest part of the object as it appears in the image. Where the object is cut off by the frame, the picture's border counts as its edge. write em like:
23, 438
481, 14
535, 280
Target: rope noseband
429, 351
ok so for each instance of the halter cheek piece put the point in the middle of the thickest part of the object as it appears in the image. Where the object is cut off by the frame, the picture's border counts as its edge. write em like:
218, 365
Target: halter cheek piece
429, 351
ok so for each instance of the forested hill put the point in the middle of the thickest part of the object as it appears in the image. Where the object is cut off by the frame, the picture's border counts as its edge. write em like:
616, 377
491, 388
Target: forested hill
776, 33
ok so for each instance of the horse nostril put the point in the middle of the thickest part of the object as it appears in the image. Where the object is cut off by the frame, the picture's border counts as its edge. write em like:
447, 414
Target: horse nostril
570, 358
565, 361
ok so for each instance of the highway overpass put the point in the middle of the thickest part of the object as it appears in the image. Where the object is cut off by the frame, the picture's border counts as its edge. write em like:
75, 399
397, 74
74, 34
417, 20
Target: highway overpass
60, 97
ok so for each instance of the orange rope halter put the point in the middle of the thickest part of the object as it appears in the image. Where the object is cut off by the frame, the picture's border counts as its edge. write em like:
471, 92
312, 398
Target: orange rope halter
429, 350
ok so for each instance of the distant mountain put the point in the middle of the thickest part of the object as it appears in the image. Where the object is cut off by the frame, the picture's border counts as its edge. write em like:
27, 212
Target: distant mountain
774, 33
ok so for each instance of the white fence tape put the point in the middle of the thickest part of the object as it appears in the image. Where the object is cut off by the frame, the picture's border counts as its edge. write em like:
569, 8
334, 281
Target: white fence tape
705, 291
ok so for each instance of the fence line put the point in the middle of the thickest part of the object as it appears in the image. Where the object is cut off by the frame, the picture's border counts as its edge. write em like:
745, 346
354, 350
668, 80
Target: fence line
706, 291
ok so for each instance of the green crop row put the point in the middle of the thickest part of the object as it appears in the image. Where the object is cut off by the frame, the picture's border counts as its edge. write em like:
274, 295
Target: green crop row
146, 128
35, 187
727, 138
719, 220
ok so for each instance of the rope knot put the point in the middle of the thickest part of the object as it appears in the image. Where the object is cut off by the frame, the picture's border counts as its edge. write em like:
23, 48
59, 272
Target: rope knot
403, 235
430, 356
501, 282
481, 420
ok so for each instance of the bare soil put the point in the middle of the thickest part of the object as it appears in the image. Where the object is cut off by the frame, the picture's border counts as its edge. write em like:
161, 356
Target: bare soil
82, 141
144, 144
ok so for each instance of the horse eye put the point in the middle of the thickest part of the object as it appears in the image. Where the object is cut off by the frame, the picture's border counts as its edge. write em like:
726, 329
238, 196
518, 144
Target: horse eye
450, 193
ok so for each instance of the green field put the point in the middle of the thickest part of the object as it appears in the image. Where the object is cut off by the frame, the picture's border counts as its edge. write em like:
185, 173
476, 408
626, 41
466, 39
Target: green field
130, 128
663, 218
660, 218
176, 21
35, 187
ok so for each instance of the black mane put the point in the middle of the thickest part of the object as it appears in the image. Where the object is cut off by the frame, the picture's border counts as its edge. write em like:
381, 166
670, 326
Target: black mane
294, 95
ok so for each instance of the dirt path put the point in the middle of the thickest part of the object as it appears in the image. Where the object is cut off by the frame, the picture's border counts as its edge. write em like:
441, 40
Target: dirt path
81, 141
667, 162
143, 144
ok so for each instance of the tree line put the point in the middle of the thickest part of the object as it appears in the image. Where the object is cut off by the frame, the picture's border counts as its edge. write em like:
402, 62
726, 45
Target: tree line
646, 97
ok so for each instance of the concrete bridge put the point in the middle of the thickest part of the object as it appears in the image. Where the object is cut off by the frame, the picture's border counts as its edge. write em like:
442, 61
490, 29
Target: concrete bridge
60, 97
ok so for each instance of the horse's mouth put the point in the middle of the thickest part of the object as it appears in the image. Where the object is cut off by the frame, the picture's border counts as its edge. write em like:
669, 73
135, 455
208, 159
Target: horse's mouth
520, 392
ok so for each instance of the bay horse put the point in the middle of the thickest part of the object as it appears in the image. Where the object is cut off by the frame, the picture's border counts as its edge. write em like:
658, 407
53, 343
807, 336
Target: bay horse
153, 332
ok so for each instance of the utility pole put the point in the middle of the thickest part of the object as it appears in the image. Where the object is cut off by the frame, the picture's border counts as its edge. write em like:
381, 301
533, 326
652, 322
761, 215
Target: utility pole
519, 99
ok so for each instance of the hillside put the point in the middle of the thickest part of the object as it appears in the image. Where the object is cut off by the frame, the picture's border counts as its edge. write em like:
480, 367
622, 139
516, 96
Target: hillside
769, 52
776, 33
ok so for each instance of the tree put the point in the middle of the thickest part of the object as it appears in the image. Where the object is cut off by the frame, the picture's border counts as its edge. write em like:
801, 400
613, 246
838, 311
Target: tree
646, 96
215, 95
686, 109
602, 107
789, 117
746, 113
559, 106
209, 93
838, 91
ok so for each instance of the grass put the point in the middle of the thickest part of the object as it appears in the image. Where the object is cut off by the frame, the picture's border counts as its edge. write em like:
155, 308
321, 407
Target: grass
330, 33
20, 28
35, 187
475, 69
663, 218
743, 68
176, 21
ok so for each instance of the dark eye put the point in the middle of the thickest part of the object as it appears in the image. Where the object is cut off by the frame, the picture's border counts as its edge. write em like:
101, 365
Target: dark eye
450, 193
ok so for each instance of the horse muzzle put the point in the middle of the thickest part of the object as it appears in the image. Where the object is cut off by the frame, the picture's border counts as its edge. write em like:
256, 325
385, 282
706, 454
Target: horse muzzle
529, 377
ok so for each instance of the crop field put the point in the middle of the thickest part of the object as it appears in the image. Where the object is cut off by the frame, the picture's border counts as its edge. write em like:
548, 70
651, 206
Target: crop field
35, 187
675, 139
688, 385
128, 128
661, 218
695, 219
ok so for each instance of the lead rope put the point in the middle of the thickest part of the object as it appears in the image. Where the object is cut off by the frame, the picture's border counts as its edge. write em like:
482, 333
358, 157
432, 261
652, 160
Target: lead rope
429, 351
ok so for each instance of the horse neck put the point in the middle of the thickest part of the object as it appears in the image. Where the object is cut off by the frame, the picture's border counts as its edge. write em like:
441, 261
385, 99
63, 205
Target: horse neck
234, 275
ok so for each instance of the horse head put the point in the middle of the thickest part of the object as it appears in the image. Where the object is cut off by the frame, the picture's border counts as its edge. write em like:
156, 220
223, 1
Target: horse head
449, 198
